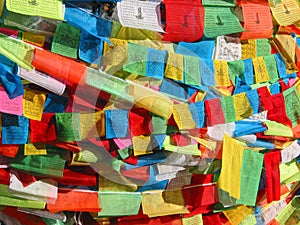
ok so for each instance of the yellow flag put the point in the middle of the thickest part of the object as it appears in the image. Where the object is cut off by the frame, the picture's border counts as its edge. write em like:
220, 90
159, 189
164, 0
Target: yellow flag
183, 117
44, 8
17, 51
221, 73
197, 219
141, 145
153, 101
174, 68
248, 49
242, 106
286, 12
33, 104
260, 70
35, 39
92, 124
236, 216
200, 96
286, 45
232, 155
154, 204
115, 54
35, 149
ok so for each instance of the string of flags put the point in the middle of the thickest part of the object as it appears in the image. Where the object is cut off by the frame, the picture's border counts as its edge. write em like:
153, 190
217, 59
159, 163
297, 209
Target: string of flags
149, 112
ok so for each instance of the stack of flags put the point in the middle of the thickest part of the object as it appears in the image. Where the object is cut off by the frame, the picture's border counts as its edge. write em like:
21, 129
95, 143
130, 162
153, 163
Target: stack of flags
150, 112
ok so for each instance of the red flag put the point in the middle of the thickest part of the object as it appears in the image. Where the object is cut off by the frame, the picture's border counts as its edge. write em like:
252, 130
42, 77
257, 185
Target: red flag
44, 130
139, 121
214, 112
272, 161
184, 21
